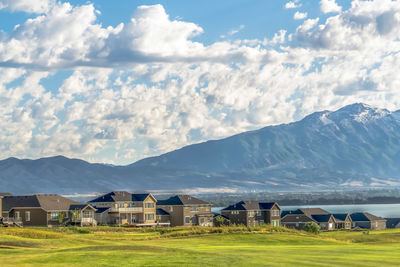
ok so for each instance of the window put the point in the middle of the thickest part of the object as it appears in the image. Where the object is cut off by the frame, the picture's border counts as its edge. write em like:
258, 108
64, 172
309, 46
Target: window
17, 215
234, 212
276, 223
171, 208
87, 214
201, 220
275, 212
187, 219
193, 208
66, 215
54, 216
27, 216
250, 213
259, 213
149, 216
149, 205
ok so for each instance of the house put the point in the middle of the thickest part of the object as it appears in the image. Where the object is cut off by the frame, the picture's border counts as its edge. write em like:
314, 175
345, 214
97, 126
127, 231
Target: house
296, 219
185, 210
38, 210
392, 222
252, 213
325, 221
83, 214
368, 221
342, 221
124, 208
163, 217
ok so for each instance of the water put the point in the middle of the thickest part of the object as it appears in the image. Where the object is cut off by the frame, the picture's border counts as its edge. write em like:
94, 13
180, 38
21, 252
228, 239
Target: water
382, 210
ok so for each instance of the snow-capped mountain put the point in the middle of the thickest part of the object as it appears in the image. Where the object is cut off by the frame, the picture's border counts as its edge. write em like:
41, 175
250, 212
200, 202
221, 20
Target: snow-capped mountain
355, 146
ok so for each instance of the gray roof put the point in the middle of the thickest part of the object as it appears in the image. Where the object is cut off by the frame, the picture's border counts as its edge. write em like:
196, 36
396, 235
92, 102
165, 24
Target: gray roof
47, 202
80, 206
313, 211
251, 205
365, 217
182, 200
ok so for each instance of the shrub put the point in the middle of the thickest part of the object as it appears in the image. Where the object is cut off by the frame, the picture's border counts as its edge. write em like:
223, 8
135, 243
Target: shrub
311, 227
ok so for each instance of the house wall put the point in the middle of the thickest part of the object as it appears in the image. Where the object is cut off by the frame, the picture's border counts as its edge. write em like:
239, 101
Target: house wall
268, 218
295, 221
240, 218
378, 225
38, 216
1, 206
149, 210
189, 212
361, 224
163, 218
175, 212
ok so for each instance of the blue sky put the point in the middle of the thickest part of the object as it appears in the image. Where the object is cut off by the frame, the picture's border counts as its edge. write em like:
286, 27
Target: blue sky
117, 81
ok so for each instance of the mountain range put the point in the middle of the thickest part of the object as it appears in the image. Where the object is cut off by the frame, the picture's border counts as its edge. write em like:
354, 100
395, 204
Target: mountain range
357, 146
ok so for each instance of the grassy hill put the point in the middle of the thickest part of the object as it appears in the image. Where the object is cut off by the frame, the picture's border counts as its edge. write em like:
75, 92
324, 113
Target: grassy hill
198, 246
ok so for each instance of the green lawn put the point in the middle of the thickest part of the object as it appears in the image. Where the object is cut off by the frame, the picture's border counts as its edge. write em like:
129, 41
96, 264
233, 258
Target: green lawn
234, 246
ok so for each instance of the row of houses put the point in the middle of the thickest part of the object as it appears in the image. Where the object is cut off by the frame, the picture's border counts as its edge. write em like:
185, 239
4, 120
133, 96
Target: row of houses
252, 213
114, 208
124, 208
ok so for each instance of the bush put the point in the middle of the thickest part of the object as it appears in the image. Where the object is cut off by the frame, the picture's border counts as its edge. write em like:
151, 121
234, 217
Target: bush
311, 227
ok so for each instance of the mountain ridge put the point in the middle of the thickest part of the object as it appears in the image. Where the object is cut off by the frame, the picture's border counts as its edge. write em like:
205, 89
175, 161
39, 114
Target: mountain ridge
355, 146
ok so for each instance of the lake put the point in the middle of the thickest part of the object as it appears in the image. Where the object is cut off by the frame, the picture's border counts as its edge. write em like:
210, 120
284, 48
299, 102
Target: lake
382, 210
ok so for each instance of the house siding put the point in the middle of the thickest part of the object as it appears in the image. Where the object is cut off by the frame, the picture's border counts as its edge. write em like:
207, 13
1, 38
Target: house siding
38, 216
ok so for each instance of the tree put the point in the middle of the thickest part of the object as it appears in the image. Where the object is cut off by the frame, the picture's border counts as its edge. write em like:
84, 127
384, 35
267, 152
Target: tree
60, 216
311, 227
220, 220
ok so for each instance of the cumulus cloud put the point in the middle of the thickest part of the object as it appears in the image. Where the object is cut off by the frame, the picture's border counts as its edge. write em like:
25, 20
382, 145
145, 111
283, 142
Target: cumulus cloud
29, 6
328, 6
292, 4
145, 87
300, 15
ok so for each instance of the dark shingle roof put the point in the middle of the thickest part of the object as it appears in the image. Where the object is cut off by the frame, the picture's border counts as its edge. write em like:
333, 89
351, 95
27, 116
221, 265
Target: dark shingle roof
313, 211
296, 218
80, 206
139, 197
267, 205
47, 202
101, 210
182, 200
364, 217
321, 217
285, 212
10, 202
116, 196
251, 205
392, 222
340, 216
161, 212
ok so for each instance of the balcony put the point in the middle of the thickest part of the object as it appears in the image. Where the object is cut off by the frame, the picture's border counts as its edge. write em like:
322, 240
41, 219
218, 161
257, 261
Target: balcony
129, 209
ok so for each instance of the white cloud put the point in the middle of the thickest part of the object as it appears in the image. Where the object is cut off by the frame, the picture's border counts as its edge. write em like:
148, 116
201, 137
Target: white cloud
29, 6
292, 4
167, 91
328, 6
300, 15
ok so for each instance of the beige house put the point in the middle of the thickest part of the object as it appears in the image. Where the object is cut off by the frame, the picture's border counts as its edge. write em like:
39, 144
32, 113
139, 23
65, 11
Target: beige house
124, 208
186, 210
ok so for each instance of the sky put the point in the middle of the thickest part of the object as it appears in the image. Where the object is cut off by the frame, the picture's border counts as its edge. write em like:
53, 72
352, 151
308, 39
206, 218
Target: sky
118, 81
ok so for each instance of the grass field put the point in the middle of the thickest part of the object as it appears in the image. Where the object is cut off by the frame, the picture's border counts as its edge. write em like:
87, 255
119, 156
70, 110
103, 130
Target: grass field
233, 246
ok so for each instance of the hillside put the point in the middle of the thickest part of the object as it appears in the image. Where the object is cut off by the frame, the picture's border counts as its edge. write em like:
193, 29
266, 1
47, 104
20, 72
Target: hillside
357, 146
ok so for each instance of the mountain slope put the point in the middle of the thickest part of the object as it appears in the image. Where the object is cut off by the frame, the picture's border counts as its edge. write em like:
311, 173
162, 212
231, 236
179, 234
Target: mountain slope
356, 146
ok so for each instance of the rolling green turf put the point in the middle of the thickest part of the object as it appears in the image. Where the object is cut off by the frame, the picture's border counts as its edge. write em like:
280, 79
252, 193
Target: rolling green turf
198, 246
